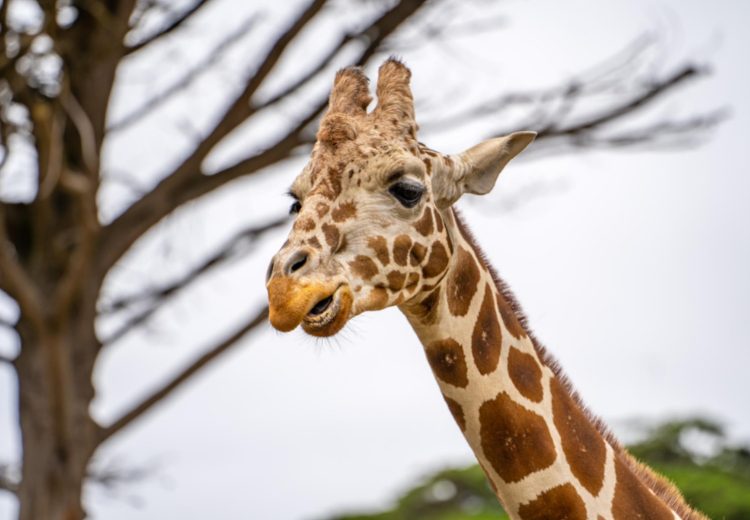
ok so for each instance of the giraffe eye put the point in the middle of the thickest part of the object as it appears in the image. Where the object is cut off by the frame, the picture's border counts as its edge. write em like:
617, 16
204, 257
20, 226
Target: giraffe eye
295, 207
407, 193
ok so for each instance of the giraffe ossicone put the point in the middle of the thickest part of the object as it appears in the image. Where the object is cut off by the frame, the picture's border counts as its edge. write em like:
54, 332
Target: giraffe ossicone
375, 227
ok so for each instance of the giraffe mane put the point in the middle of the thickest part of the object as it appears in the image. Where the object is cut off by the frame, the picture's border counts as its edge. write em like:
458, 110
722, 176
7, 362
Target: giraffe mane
659, 485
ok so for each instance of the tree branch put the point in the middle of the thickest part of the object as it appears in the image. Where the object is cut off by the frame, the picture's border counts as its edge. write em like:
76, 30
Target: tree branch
177, 381
155, 297
656, 89
187, 183
171, 27
374, 35
13, 278
172, 193
660, 135
186, 79
153, 206
618, 76
555, 134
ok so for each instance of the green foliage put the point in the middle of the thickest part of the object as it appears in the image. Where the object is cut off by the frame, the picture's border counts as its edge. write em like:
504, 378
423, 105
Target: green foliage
694, 453
717, 482
452, 494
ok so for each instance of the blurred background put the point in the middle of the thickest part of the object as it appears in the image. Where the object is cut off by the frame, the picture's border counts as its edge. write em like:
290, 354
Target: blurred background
146, 150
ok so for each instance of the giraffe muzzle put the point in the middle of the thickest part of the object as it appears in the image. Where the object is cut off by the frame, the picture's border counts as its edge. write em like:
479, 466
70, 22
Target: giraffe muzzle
322, 309
330, 314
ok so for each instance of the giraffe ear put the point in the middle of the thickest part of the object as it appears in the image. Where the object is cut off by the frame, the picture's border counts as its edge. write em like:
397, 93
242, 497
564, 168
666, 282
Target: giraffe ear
476, 169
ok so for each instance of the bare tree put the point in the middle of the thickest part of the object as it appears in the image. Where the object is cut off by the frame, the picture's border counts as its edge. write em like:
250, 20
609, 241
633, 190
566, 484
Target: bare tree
58, 67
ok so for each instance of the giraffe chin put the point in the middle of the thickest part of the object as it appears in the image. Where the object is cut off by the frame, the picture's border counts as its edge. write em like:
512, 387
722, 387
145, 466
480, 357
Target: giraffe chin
333, 318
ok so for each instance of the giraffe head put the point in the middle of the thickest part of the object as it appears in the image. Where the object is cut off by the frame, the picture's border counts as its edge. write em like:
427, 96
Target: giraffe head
370, 207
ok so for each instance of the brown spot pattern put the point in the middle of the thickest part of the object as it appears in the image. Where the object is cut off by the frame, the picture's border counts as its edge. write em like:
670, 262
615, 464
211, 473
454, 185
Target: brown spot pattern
332, 235
304, 224
515, 441
330, 187
463, 282
526, 375
401, 246
396, 280
321, 208
558, 503
509, 318
424, 224
457, 412
364, 267
417, 253
486, 338
582, 444
314, 242
411, 281
446, 357
633, 500
379, 245
437, 261
344, 211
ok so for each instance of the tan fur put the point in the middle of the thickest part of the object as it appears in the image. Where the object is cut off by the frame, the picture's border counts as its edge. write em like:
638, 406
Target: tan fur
660, 485
359, 246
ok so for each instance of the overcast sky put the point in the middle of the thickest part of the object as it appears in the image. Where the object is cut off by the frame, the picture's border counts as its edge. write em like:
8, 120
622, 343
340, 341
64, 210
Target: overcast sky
632, 268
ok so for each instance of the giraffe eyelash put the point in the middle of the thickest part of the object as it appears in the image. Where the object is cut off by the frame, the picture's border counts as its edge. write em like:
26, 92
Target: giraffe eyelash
296, 204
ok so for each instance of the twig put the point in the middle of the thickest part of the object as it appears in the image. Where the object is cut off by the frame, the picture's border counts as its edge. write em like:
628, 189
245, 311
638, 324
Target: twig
175, 24
114, 475
186, 79
660, 135
606, 76
156, 297
150, 208
176, 382
443, 30
229, 250
656, 89
124, 230
185, 183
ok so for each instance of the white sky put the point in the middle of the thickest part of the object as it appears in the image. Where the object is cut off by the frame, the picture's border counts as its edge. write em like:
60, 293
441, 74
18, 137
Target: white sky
632, 267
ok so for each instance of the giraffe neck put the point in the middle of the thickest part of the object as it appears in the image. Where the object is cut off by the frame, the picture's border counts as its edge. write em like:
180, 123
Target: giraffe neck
540, 449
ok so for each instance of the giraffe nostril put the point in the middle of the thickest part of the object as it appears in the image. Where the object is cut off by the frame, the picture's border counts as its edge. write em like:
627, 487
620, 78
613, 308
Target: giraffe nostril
270, 269
296, 262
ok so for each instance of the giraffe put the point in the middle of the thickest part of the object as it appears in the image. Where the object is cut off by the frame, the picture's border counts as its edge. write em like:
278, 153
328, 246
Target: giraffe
375, 227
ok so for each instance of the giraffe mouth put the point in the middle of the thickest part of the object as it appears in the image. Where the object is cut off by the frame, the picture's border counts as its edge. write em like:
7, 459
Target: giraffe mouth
321, 306
329, 314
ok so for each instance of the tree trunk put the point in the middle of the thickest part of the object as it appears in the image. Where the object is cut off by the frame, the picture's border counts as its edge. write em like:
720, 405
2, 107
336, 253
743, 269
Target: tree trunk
58, 435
